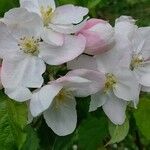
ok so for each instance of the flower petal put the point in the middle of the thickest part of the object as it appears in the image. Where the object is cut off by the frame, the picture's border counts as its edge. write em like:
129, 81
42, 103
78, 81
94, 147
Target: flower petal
27, 70
67, 29
73, 46
19, 93
127, 87
23, 23
8, 45
68, 14
115, 109
97, 82
51, 37
42, 99
83, 61
62, 120
35, 5
97, 100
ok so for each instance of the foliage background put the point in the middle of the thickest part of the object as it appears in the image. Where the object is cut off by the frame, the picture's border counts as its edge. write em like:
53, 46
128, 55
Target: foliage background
94, 131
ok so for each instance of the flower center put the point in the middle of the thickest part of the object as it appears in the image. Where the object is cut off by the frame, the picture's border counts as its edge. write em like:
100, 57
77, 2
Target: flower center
136, 62
110, 82
29, 45
46, 13
61, 98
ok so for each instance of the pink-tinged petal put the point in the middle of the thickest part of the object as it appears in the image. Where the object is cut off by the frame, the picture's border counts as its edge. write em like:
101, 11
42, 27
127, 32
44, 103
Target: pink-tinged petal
115, 109
73, 47
97, 82
18, 93
53, 38
68, 14
92, 22
99, 36
68, 29
43, 98
63, 118
83, 62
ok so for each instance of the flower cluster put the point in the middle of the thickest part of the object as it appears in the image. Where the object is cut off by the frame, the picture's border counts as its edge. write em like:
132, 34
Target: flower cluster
110, 64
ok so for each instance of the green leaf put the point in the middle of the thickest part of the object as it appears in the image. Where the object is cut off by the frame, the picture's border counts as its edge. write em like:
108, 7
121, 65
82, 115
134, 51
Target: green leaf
13, 118
142, 116
91, 133
119, 132
63, 143
92, 4
32, 141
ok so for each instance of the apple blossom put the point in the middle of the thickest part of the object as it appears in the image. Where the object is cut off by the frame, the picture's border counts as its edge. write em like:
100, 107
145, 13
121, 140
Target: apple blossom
57, 21
57, 98
120, 87
24, 52
140, 61
99, 36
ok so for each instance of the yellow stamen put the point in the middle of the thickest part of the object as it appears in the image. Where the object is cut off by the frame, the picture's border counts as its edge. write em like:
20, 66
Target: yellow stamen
61, 98
46, 13
29, 45
110, 82
136, 62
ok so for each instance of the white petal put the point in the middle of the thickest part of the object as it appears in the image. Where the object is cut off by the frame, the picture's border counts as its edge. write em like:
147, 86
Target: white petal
97, 80
8, 45
143, 74
145, 89
35, 5
73, 46
23, 71
19, 93
68, 14
83, 61
51, 37
127, 87
97, 100
68, 29
62, 120
127, 24
115, 109
23, 23
42, 99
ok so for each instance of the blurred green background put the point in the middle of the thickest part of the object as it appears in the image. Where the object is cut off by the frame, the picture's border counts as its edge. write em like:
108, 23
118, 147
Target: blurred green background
105, 9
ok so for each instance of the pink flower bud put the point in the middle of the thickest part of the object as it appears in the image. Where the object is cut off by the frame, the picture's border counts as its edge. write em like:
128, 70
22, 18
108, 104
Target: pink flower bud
99, 36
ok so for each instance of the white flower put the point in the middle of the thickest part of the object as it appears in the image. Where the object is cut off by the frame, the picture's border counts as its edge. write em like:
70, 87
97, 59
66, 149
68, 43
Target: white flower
24, 53
140, 61
57, 99
56, 20
121, 85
